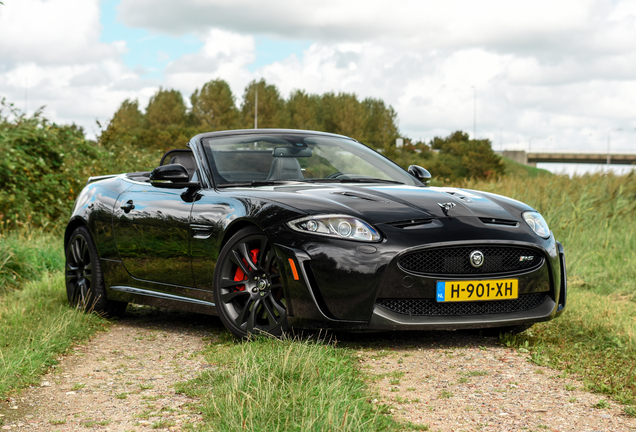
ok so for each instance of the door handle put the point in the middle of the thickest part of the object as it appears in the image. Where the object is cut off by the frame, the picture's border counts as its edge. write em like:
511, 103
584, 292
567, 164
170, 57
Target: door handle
128, 206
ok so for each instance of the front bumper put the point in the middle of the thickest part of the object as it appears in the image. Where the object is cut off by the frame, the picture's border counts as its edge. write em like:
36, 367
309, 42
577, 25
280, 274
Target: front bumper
341, 286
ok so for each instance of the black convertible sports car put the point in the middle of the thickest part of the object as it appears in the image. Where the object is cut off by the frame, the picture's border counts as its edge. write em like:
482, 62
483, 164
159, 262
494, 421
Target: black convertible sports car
276, 228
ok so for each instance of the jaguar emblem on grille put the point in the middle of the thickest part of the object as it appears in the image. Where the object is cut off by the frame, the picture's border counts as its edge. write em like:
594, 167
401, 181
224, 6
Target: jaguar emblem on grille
476, 259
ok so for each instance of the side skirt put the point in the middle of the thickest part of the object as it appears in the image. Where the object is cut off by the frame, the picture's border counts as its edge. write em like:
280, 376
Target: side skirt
164, 300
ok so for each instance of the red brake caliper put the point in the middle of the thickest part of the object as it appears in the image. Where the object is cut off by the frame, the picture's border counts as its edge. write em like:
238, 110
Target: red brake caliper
240, 276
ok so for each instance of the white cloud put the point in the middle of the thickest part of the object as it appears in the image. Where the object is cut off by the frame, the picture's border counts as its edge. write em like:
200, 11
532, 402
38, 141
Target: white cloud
542, 26
51, 56
224, 55
59, 32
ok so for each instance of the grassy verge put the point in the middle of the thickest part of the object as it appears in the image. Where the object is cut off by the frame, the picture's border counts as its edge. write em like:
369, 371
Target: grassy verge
291, 385
593, 216
26, 254
37, 325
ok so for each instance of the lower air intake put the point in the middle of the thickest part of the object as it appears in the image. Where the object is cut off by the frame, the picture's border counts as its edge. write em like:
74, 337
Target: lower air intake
429, 307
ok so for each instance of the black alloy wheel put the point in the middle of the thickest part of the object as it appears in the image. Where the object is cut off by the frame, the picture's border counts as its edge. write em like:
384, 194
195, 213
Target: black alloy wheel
248, 286
84, 281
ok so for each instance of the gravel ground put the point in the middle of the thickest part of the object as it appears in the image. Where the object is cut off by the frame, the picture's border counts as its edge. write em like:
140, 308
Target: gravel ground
469, 383
123, 380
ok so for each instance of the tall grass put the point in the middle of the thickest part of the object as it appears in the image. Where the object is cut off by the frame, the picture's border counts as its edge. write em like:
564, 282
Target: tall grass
37, 325
27, 253
290, 385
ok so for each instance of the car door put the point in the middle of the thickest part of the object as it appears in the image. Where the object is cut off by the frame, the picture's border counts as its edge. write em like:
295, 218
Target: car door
152, 233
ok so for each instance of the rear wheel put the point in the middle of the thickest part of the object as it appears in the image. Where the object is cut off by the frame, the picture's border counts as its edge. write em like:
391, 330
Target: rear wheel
248, 286
84, 281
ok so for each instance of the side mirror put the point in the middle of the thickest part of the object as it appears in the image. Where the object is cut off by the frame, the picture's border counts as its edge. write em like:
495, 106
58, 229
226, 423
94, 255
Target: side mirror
420, 173
172, 176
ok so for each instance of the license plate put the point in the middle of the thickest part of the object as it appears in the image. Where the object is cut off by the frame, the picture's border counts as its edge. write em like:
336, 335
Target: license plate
500, 289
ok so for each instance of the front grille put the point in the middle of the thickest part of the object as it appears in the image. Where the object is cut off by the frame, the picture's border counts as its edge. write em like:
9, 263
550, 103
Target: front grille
429, 307
456, 261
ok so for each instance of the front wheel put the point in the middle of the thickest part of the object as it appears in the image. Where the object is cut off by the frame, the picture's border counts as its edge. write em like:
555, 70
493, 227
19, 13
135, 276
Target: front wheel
84, 281
248, 286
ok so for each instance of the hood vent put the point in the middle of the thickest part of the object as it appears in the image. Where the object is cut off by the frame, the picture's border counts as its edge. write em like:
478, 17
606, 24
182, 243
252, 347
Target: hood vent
362, 196
411, 223
494, 221
458, 195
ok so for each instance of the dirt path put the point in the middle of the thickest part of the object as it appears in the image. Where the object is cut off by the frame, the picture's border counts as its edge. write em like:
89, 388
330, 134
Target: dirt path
122, 380
457, 381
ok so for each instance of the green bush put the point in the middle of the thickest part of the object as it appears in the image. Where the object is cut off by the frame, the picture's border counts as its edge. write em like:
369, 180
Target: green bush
46, 165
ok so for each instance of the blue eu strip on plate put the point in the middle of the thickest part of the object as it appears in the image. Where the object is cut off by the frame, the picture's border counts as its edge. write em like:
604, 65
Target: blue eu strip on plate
441, 291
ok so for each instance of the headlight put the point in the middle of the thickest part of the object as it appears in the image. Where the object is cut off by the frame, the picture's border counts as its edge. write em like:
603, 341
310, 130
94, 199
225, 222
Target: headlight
537, 223
338, 226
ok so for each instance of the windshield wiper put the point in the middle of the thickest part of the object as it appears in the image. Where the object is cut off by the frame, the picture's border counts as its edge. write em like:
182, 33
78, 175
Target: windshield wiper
256, 183
351, 180
368, 180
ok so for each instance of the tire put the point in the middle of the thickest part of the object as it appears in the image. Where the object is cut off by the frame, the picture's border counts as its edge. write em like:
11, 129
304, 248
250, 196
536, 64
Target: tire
248, 287
84, 280
513, 330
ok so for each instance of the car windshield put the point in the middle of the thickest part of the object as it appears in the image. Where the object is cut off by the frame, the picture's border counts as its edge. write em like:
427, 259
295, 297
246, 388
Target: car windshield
274, 157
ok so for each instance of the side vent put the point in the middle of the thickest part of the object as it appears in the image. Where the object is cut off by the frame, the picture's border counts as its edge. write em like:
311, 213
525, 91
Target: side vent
494, 221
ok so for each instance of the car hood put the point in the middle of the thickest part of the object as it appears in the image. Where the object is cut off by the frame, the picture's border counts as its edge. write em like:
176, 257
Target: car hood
390, 203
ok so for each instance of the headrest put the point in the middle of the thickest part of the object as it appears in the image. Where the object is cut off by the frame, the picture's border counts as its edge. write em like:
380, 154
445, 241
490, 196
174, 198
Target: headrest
285, 168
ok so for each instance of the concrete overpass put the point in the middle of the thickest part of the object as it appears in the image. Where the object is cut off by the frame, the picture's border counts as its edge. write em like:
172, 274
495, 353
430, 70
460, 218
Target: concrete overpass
532, 159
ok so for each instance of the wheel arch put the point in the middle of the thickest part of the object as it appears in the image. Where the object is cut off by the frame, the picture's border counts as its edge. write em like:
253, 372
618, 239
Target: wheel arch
72, 226
236, 227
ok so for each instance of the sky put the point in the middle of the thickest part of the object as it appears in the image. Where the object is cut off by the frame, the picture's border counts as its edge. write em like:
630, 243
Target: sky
556, 75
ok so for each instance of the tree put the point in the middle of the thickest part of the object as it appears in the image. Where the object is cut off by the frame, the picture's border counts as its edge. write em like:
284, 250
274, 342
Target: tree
125, 124
165, 108
270, 106
344, 114
213, 107
461, 157
302, 111
380, 124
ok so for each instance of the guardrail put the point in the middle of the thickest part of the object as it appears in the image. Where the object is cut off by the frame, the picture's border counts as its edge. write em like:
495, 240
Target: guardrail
532, 159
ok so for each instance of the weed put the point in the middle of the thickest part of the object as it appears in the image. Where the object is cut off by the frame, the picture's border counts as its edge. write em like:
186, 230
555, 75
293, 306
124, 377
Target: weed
415, 427
601, 404
445, 394
163, 424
